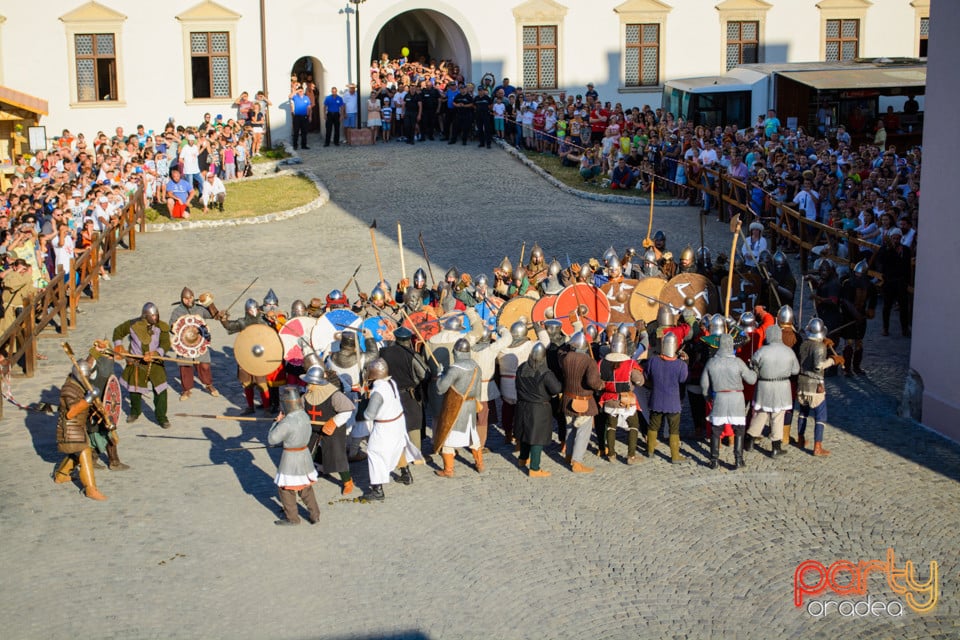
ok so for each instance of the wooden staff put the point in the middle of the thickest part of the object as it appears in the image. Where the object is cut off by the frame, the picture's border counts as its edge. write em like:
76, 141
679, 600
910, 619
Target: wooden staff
653, 183
213, 416
523, 248
237, 299
97, 402
352, 278
734, 230
413, 325
403, 262
376, 254
426, 259
112, 353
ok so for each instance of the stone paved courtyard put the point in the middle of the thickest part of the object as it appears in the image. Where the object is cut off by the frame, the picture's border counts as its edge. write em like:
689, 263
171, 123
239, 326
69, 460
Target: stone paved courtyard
186, 546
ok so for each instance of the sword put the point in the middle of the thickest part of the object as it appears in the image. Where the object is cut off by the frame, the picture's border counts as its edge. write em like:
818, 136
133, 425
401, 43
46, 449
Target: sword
427, 259
355, 272
224, 312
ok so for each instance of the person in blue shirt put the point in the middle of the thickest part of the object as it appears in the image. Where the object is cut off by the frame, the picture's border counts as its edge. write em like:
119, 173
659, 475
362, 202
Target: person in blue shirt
300, 110
179, 194
332, 110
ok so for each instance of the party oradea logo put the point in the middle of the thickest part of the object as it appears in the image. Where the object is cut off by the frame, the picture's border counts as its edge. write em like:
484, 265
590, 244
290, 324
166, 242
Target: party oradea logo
855, 583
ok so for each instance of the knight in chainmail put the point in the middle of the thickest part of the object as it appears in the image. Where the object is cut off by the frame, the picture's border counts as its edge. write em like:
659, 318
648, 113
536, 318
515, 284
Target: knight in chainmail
348, 363
723, 378
774, 363
251, 316
815, 358
460, 385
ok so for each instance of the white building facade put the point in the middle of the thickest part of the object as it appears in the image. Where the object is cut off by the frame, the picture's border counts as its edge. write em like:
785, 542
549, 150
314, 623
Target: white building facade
129, 62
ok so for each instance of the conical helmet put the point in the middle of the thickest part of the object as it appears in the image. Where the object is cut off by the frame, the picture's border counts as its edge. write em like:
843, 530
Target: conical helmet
419, 278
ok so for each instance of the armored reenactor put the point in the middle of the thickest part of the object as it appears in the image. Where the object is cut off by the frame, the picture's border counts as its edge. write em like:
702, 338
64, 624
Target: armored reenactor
460, 385
148, 337
441, 345
510, 359
621, 374
552, 284
774, 363
688, 261
296, 474
348, 363
336, 299
537, 385
103, 435
558, 341
503, 277
186, 307
723, 378
537, 267
251, 316
408, 370
667, 371
580, 380
379, 305
329, 410
485, 353
790, 337
72, 439
389, 441
446, 292
659, 244
815, 358
781, 281
520, 285
651, 265
858, 303
416, 296
826, 292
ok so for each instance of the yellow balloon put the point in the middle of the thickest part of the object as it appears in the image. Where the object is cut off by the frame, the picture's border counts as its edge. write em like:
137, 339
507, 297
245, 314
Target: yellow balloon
405, 52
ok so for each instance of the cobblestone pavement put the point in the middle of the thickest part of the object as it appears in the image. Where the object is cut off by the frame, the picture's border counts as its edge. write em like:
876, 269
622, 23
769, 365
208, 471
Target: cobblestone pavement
185, 546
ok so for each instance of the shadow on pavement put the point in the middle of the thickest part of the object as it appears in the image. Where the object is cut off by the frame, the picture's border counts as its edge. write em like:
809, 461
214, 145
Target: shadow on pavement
43, 426
253, 480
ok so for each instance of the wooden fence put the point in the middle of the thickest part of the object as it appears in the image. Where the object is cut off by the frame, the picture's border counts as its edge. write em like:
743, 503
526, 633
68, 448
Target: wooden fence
52, 311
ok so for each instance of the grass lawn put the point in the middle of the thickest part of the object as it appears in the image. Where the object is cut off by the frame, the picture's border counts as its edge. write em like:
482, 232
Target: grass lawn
269, 155
247, 198
570, 176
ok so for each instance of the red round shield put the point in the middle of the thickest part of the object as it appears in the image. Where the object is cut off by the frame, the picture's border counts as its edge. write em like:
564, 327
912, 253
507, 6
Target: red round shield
112, 401
543, 309
426, 323
587, 300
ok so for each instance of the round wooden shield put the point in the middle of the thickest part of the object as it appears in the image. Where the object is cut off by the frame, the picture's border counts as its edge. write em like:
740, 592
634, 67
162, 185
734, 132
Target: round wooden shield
186, 336
645, 300
112, 400
745, 292
382, 329
692, 286
618, 294
592, 305
426, 323
543, 309
488, 308
342, 319
295, 335
258, 350
514, 309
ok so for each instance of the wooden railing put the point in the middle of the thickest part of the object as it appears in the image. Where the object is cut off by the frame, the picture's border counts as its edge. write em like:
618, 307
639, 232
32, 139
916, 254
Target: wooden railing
56, 304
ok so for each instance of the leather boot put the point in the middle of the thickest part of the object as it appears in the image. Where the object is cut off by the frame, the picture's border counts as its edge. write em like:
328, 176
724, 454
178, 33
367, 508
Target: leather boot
405, 476
738, 440
577, 467
611, 445
347, 488
848, 360
478, 459
818, 449
857, 361
113, 456
87, 478
651, 442
715, 451
538, 473
375, 494
777, 449
802, 442
447, 471
746, 442
675, 456
62, 474
786, 434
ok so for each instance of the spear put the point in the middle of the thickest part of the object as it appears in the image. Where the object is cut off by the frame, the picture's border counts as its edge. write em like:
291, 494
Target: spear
352, 278
403, 262
523, 248
114, 354
214, 416
734, 230
376, 254
426, 259
413, 325
237, 299
653, 183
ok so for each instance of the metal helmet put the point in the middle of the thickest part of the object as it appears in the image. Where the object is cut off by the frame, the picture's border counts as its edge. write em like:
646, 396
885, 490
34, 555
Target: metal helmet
461, 348
816, 329
187, 294
704, 259
666, 316
150, 313
82, 370
485, 337
298, 309
624, 330
669, 345
290, 399
585, 271
861, 268
785, 316
718, 325
629, 253
377, 369
779, 258
687, 257
649, 262
452, 274
348, 341
538, 356
614, 266
536, 254
609, 255
337, 298
659, 237
579, 341
554, 269
591, 332
314, 375
518, 330
481, 280
618, 344
270, 300
419, 278
312, 359
378, 294
748, 321
251, 307
506, 266
765, 258
519, 274
554, 329
454, 323
705, 323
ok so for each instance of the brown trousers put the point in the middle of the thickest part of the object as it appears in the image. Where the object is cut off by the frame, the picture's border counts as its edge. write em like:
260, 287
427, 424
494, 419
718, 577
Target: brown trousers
203, 372
288, 498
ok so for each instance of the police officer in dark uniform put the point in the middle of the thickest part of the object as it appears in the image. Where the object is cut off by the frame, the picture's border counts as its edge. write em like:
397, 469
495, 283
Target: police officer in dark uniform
484, 117
412, 112
430, 97
462, 116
